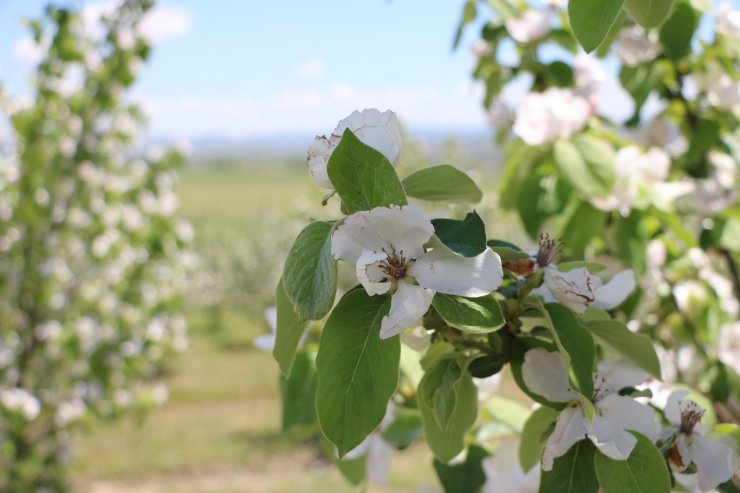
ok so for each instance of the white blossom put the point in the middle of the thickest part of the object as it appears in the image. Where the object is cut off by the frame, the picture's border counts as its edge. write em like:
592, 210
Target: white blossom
505, 474
635, 46
532, 25
20, 401
589, 76
640, 182
721, 89
728, 345
481, 49
715, 462
546, 116
727, 21
578, 288
387, 247
373, 128
545, 374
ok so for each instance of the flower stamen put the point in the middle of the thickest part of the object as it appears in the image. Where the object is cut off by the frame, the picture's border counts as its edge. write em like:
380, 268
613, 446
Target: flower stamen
548, 251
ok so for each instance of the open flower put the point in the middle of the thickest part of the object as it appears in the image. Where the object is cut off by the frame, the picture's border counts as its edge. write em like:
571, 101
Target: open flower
387, 247
545, 374
636, 46
715, 462
578, 288
640, 181
531, 26
378, 130
546, 116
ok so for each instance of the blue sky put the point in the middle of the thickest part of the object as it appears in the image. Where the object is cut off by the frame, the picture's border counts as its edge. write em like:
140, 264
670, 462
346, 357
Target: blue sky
253, 68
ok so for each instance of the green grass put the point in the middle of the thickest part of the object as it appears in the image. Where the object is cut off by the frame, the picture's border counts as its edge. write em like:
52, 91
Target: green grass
220, 430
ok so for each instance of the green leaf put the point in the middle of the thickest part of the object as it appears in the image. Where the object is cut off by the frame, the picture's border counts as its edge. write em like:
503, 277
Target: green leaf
591, 180
591, 20
299, 396
310, 272
469, 14
592, 267
438, 390
363, 177
649, 13
632, 237
476, 315
639, 82
599, 158
676, 33
405, 428
447, 443
573, 472
464, 477
507, 251
528, 203
730, 236
357, 371
288, 331
486, 366
635, 347
644, 471
536, 431
585, 223
575, 345
443, 183
466, 237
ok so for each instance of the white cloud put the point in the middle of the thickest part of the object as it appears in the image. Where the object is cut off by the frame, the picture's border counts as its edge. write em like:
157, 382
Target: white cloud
164, 23
26, 51
309, 69
314, 111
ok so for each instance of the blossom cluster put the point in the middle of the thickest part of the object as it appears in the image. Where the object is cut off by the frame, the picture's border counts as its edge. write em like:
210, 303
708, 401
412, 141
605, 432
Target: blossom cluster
463, 307
93, 256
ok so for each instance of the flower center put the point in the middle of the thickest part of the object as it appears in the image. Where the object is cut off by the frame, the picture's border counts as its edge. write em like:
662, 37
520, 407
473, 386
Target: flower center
394, 265
690, 416
601, 389
548, 250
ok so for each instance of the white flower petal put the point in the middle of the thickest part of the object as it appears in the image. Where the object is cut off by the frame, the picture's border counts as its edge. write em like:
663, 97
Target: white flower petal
545, 374
673, 406
531, 26
265, 342
613, 293
445, 271
628, 414
611, 440
680, 458
569, 429
370, 274
375, 129
403, 230
574, 289
713, 461
378, 459
544, 293
620, 373
408, 304
318, 158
